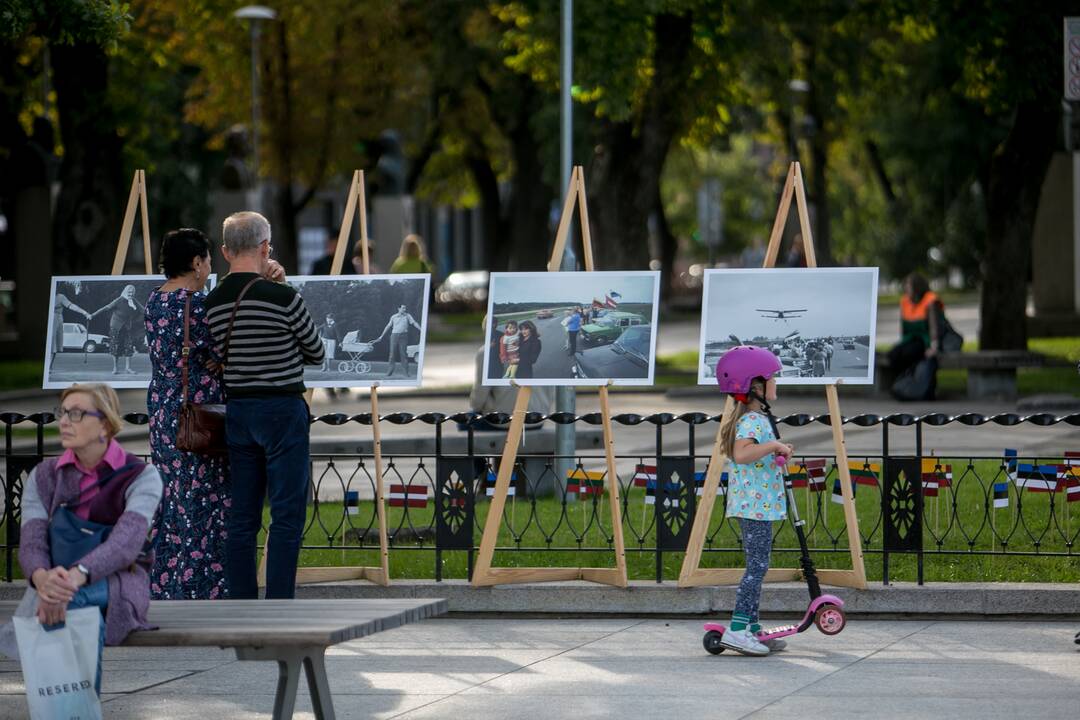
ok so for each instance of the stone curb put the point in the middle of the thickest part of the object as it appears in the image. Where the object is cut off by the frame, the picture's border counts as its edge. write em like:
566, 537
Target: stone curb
649, 598
1059, 600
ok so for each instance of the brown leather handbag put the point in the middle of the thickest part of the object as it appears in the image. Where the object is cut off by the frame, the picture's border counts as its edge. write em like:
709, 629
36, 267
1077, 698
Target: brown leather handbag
201, 428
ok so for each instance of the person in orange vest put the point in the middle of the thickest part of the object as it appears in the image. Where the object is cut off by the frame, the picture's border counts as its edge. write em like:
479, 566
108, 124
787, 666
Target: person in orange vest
920, 328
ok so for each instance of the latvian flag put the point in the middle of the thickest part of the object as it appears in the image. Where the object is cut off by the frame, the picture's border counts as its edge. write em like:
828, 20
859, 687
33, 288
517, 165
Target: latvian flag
810, 473
935, 476
489, 485
585, 482
672, 489
864, 473
1069, 476
408, 496
837, 495
597, 305
699, 483
644, 474
1001, 495
612, 299
1036, 478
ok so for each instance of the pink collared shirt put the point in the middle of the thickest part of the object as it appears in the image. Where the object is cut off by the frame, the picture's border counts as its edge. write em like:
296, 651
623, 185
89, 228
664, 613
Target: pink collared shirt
114, 458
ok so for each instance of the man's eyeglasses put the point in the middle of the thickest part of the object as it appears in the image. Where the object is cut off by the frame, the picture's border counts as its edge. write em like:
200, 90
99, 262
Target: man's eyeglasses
76, 414
269, 247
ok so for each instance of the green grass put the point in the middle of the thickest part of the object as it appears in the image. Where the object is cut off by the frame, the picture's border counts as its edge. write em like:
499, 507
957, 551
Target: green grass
825, 521
20, 375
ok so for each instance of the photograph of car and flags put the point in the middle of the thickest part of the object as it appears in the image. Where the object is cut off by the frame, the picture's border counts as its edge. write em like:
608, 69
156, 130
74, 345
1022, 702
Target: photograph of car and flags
571, 328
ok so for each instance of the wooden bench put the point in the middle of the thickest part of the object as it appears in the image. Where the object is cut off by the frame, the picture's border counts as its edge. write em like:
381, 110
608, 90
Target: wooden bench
990, 373
293, 633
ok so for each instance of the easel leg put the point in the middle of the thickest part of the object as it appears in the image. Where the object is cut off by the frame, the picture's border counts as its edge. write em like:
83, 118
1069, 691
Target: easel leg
380, 501
613, 489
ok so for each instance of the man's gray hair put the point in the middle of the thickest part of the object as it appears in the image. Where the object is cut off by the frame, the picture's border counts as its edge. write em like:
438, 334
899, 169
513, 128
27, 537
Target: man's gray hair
244, 231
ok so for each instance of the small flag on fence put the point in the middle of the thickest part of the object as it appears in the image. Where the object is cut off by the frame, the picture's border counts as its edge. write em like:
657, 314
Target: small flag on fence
585, 482
489, 484
1001, 495
864, 473
672, 488
935, 476
1069, 479
352, 502
699, 483
838, 495
1010, 461
808, 474
1036, 478
408, 496
643, 474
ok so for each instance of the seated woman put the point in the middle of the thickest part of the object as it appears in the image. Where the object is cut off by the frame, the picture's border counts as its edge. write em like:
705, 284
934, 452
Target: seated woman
920, 312
98, 481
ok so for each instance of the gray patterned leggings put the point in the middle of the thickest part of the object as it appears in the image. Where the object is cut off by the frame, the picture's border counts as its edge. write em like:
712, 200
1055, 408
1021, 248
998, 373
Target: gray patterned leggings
757, 536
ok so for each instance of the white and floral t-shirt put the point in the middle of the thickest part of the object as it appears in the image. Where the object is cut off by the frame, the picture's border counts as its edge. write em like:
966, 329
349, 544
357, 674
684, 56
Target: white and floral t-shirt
756, 490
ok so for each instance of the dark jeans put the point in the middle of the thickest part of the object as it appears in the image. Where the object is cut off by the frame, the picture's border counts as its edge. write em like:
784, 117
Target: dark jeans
905, 356
571, 342
757, 538
269, 454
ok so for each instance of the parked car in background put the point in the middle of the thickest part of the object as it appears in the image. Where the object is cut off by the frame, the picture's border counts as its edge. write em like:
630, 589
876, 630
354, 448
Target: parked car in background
463, 291
610, 326
626, 357
544, 314
76, 338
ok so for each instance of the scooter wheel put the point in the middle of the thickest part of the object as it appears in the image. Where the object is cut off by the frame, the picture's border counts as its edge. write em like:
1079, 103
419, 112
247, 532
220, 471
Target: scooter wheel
829, 619
711, 641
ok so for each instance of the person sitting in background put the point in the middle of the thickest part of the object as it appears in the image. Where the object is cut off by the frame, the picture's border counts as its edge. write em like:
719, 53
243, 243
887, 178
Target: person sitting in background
920, 309
98, 481
412, 258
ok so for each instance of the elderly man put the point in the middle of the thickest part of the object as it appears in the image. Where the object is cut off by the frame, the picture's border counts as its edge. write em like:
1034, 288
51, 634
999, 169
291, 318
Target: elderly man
266, 336
398, 327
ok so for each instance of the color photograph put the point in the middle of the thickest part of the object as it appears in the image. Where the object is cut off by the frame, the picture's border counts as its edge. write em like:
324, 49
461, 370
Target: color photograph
373, 328
820, 322
571, 328
96, 330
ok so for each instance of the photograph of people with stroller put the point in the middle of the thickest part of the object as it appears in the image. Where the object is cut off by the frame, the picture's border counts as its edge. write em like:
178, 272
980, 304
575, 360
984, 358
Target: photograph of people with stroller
820, 322
372, 327
96, 332
571, 328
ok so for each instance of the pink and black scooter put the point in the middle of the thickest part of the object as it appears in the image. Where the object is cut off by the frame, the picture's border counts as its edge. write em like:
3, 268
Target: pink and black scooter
825, 611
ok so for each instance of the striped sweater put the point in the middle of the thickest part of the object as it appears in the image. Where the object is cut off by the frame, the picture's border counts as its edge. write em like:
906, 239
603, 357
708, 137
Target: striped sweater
272, 340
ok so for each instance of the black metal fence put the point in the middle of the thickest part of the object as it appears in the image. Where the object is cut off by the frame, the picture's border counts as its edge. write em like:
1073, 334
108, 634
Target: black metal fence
989, 505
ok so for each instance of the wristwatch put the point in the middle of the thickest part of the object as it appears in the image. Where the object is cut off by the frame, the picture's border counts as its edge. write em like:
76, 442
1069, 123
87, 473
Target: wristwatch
82, 568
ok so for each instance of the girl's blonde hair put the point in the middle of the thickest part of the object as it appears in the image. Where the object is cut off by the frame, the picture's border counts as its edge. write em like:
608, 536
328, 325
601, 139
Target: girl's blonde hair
105, 402
729, 425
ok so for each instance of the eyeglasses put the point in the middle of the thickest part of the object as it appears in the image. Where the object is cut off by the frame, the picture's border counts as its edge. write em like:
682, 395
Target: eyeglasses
76, 414
269, 247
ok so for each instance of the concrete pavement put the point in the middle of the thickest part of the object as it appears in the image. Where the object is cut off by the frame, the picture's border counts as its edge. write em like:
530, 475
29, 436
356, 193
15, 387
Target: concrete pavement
635, 668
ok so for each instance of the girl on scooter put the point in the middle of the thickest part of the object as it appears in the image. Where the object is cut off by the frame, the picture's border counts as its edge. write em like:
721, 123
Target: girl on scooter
755, 494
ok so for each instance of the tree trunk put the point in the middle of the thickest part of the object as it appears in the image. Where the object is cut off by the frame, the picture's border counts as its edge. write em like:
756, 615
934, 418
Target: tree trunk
1017, 172
89, 211
624, 177
527, 218
669, 247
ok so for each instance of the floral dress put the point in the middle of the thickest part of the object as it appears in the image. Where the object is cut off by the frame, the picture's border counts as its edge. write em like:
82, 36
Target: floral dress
189, 534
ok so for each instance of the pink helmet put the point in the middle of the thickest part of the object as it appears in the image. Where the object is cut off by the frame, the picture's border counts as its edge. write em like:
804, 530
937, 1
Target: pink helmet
741, 364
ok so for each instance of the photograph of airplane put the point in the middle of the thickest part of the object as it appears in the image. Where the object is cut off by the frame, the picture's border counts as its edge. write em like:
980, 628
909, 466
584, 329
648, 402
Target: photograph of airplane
779, 314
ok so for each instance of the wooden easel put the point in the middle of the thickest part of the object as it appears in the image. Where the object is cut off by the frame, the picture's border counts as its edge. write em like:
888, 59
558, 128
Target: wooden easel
136, 201
483, 573
381, 574
692, 574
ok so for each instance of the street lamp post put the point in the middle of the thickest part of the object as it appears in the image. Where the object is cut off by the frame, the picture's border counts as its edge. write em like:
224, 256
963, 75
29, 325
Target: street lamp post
254, 14
565, 397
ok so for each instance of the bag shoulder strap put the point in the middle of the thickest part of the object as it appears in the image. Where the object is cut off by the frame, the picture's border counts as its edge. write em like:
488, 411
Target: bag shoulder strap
186, 353
232, 319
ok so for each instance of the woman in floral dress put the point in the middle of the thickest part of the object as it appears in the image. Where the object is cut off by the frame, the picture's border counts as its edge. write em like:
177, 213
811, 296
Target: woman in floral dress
189, 534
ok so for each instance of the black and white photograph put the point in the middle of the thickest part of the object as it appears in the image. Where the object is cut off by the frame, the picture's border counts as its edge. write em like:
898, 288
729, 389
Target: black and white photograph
373, 328
97, 330
820, 322
571, 328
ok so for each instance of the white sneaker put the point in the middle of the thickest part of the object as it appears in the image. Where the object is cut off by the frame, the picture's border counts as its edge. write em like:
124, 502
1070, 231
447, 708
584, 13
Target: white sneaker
774, 645
742, 641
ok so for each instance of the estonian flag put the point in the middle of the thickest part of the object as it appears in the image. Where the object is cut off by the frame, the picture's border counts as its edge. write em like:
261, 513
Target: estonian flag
672, 489
838, 495
352, 502
489, 486
699, 483
1036, 478
1001, 495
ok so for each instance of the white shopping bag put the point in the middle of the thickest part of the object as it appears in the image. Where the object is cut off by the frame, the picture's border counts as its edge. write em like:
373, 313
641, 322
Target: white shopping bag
60, 666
